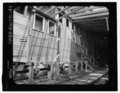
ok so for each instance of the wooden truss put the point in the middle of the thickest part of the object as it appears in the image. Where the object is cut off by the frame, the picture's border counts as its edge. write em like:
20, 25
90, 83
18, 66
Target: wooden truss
73, 12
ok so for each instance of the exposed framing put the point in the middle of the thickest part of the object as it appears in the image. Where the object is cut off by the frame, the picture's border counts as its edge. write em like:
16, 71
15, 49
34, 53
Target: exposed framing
70, 13
107, 23
88, 13
92, 16
51, 9
61, 11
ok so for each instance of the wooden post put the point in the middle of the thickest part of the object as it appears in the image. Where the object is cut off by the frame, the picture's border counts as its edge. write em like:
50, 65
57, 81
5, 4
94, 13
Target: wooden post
50, 72
30, 72
58, 70
69, 68
86, 66
58, 60
49, 75
25, 11
81, 66
76, 67
29, 47
107, 24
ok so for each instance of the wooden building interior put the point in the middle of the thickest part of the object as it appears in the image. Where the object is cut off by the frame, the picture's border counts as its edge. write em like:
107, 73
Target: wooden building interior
56, 43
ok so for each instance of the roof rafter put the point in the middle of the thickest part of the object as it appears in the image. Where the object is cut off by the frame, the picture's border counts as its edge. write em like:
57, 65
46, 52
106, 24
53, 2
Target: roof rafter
89, 16
40, 7
85, 9
51, 9
107, 24
87, 13
89, 19
61, 11
69, 13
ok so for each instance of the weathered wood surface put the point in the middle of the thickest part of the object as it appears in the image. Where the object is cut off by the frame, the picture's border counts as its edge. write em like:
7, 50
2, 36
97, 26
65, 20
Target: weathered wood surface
20, 26
48, 49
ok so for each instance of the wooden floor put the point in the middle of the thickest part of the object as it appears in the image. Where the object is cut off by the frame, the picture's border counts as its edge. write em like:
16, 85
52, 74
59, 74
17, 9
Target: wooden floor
80, 78
91, 78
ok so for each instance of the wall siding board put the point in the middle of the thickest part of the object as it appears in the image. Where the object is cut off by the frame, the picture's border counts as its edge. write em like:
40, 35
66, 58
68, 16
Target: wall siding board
68, 48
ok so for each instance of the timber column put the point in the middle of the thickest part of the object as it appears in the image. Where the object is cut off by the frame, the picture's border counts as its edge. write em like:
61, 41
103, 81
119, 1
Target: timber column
31, 72
30, 60
50, 72
70, 68
76, 66
86, 65
81, 65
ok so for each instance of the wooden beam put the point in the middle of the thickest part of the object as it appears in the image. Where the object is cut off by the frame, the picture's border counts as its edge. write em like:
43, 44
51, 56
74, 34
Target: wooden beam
81, 65
84, 9
90, 16
86, 65
94, 12
70, 13
107, 23
76, 66
89, 19
31, 73
40, 7
26, 9
90, 22
43, 14
61, 11
73, 7
51, 9
70, 69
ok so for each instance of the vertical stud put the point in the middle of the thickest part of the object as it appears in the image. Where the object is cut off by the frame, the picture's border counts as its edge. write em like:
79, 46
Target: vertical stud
25, 11
50, 72
86, 66
69, 68
107, 24
76, 66
81, 66
30, 73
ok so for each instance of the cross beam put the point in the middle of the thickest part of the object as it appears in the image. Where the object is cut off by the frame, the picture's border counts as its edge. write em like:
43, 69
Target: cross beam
70, 13
54, 7
81, 14
91, 16
89, 19
61, 11
40, 7
107, 24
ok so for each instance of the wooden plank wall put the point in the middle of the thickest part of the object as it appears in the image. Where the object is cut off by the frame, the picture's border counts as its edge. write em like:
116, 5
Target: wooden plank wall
68, 47
20, 22
45, 48
48, 49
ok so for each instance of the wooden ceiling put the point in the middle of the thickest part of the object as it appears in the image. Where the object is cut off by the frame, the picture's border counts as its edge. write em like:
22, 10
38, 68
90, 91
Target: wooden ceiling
93, 25
89, 18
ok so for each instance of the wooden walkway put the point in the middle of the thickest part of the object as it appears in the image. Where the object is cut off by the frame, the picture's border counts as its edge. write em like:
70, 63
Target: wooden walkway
81, 78
91, 78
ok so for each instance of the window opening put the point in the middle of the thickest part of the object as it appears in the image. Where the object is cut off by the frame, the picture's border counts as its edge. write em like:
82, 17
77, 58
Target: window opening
51, 28
38, 23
